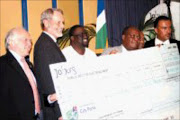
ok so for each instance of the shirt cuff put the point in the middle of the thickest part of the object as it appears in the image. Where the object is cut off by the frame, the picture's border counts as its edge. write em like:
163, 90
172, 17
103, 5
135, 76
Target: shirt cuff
49, 101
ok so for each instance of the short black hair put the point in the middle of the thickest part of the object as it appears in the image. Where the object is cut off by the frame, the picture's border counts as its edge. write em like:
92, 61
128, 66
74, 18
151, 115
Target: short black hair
72, 29
160, 18
127, 28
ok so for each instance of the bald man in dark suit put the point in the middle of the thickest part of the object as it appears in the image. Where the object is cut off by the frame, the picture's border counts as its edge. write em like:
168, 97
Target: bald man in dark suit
16, 93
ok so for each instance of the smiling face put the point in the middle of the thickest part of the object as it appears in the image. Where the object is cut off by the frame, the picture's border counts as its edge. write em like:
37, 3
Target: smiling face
55, 25
163, 30
80, 37
131, 39
21, 42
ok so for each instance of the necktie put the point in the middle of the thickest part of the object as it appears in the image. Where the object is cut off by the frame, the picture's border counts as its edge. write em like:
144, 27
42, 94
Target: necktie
33, 85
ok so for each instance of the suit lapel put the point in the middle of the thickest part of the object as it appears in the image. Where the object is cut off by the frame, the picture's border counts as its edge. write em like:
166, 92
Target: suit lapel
15, 65
54, 45
51, 41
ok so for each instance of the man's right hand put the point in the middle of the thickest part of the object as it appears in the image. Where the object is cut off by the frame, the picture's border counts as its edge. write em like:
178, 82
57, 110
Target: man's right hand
53, 97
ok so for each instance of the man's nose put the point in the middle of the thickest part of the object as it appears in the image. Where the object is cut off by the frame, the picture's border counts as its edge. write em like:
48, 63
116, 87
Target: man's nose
62, 25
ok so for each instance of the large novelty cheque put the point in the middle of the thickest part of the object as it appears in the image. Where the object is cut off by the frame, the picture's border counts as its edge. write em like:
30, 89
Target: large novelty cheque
142, 84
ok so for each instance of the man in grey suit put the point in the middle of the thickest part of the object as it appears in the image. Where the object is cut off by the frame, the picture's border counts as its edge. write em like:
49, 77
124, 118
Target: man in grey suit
130, 41
47, 52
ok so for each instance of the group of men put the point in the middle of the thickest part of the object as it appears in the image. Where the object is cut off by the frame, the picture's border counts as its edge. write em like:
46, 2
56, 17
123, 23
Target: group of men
133, 39
27, 92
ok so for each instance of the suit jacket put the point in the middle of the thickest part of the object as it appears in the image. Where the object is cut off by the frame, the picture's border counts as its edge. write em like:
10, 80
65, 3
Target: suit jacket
17, 101
47, 52
151, 43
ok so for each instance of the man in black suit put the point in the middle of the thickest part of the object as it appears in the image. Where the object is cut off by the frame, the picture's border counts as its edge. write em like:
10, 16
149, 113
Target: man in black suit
163, 29
47, 52
18, 101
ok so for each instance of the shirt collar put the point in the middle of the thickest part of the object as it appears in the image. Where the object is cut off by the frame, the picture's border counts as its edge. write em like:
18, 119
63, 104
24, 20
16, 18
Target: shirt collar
124, 49
157, 42
51, 36
17, 57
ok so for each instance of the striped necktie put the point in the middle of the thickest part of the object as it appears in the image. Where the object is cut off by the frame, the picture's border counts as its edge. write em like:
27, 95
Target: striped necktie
29, 75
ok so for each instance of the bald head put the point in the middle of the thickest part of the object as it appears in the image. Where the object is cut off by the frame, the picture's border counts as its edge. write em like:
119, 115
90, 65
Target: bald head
130, 38
19, 41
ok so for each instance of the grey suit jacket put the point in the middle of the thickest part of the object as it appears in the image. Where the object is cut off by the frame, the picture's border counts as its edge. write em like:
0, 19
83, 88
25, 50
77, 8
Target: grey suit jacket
108, 50
47, 52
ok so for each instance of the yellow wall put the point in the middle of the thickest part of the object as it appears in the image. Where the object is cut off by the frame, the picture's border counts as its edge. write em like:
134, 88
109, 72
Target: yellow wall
71, 11
11, 16
35, 9
90, 15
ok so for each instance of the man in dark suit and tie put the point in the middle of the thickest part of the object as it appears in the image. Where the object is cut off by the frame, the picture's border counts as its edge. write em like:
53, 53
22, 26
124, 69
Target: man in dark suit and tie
47, 52
19, 97
163, 29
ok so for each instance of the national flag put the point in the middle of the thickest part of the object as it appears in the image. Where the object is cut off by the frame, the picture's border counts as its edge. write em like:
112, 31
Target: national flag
101, 29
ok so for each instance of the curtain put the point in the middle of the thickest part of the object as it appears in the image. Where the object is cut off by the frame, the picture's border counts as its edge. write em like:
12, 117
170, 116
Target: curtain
121, 13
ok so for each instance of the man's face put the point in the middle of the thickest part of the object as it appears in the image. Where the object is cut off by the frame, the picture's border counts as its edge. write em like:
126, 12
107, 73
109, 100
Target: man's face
22, 43
56, 24
131, 39
80, 37
163, 30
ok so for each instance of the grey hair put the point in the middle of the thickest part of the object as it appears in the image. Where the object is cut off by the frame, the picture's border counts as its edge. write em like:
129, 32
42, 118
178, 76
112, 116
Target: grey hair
47, 15
9, 36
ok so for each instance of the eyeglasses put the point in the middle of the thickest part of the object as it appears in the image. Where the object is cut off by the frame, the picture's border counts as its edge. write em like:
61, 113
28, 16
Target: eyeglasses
81, 34
134, 36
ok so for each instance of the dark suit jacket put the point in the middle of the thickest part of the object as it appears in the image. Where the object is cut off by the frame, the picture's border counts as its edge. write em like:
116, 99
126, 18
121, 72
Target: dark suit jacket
151, 43
16, 96
47, 52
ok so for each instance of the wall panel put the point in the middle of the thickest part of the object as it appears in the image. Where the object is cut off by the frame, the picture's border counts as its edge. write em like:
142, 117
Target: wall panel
90, 15
10, 17
71, 11
35, 8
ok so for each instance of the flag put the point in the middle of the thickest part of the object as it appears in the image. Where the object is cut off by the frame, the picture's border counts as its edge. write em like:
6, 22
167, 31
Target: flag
101, 29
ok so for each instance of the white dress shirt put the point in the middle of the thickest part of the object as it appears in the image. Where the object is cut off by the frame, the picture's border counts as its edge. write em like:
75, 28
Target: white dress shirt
18, 58
159, 42
52, 37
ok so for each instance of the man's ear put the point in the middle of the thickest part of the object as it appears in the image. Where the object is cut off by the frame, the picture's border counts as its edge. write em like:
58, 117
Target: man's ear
156, 31
72, 38
123, 37
46, 23
11, 42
